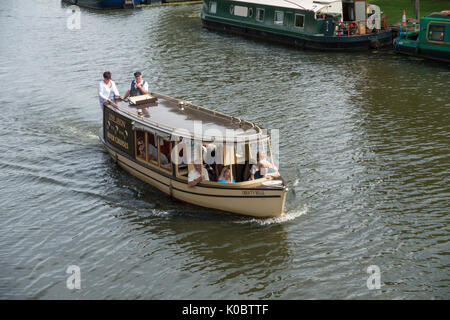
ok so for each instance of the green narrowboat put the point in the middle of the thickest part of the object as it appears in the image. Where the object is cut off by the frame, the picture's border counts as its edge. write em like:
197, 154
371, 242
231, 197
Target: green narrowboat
429, 39
104, 4
317, 24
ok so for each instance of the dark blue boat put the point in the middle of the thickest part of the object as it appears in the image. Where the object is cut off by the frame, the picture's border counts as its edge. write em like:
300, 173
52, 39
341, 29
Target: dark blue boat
104, 4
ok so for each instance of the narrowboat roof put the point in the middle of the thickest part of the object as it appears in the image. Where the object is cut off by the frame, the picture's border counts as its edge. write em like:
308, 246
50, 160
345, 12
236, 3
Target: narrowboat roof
174, 118
440, 14
307, 5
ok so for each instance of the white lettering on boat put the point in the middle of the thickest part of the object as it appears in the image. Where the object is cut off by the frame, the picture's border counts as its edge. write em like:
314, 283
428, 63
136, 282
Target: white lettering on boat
116, 120
117, 140
253, 193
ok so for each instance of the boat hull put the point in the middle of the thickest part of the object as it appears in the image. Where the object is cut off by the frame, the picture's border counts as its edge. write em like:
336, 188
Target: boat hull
373, 41
417, 51
430, 39
230, 198
100, 4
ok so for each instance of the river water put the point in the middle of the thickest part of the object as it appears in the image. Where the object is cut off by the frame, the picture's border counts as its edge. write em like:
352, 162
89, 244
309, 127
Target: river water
364, 147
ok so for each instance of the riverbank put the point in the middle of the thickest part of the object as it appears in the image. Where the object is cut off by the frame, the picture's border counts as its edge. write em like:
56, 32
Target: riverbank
394, 9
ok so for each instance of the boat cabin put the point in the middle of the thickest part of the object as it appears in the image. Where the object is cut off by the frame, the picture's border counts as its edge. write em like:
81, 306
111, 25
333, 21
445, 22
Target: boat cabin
316, 17
171, 135
429, 39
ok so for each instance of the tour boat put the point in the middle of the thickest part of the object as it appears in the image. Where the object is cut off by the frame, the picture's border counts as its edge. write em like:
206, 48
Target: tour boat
429, 39
159, 139
321, 24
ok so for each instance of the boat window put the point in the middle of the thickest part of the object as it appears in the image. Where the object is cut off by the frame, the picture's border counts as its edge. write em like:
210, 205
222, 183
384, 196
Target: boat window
212, 159
140, 144
241, 168
258, 151
299, 20
436, 33
213, 7
186, 151
178, 152
260, 14
279, 15
255, 148
240, 11
152, 148
239, 151
164, 156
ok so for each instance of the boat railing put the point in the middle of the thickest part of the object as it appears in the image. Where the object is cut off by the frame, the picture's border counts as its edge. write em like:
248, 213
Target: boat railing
405, 31
187, 104
356, 27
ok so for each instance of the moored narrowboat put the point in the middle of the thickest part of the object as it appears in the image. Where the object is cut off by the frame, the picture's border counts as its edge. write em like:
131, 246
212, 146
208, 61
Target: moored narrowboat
321, 24
429, 39
105, 4
165, 141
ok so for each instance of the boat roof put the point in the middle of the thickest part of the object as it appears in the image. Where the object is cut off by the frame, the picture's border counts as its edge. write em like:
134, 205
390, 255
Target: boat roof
173, 118
440, 14
308, 5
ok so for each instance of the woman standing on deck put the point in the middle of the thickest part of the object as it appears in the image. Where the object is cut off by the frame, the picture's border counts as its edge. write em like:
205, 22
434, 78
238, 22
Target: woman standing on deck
107, 90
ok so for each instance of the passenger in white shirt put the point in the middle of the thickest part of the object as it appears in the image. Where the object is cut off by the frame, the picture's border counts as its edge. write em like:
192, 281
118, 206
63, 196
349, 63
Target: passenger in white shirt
137, 87
197, 175
107, 90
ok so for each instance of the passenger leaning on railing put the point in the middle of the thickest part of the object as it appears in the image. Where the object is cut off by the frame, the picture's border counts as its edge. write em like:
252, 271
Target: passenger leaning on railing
263, 168
138, 86
107, 90
198, 174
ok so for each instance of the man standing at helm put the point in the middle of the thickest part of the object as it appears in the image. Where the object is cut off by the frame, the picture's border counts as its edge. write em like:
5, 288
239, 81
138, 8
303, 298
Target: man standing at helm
138, 86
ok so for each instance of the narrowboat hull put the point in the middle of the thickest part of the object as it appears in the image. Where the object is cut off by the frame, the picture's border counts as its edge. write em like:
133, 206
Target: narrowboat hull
430, 39
255, 202
373, 41
100, 4
302, 23
415, 50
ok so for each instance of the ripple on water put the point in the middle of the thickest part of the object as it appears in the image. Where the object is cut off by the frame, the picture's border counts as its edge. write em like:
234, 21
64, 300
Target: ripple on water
363, 148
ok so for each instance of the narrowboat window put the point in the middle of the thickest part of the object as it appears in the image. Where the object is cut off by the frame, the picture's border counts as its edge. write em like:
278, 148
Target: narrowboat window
140, 144
240, 11
279, 15
250, 12
260, 14
152, 148
213, 7
164, 149
299, 21
436, 33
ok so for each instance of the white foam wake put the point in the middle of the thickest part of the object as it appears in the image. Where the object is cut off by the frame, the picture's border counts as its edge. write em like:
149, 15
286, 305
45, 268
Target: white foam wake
288, 216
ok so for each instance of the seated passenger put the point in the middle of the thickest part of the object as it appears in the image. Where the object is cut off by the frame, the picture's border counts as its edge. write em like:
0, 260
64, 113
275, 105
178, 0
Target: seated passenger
197, 174
263, 169
153, 155
141, 146
152, 152
225, 176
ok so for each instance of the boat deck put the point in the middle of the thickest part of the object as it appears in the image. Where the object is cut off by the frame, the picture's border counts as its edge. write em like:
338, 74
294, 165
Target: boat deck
188, 120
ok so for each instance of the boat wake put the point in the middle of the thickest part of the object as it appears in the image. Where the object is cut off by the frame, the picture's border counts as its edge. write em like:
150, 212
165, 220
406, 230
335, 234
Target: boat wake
288, 216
